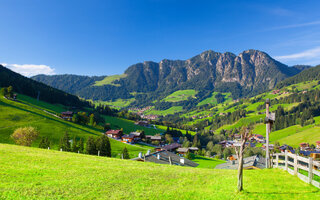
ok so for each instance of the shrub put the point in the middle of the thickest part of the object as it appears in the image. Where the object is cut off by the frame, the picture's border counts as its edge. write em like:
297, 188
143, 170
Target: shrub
25, 136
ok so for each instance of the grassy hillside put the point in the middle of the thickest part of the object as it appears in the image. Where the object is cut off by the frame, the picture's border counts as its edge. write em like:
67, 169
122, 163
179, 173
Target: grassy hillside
180, 95
213, 101
14, 115
129, 126
171, 110
293, 135
108, 80
30, 173
118, 103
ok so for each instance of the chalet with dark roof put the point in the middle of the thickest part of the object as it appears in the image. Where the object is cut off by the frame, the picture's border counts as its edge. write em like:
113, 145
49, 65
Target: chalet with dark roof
166, 157
253, 162
116, 134
128, 139
171, 147
67, 115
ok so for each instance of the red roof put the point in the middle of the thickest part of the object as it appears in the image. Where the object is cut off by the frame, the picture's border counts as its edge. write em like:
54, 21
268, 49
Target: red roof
113, 132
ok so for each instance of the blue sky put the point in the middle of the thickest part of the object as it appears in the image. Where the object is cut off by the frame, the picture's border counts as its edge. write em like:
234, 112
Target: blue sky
106, 37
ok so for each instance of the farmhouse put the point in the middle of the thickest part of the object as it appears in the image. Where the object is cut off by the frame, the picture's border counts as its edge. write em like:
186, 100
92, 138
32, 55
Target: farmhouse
166, 157
304, 146
285, 147
153, 138
182, 151
116, 134
317, 144
128, 139
142, 123
171, 147
193, 149
67, 115
137, 135
253, 162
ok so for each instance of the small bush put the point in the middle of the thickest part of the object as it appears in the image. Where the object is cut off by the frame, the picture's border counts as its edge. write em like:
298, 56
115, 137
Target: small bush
25, 136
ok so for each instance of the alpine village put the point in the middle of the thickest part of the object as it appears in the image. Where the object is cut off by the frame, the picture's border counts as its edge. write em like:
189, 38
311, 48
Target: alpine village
215, 125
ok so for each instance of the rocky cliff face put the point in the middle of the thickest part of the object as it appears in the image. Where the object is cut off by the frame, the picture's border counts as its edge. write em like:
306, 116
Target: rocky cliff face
249, 73
251, 70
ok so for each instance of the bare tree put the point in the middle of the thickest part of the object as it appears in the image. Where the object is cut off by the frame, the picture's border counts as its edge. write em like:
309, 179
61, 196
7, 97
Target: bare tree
245, 134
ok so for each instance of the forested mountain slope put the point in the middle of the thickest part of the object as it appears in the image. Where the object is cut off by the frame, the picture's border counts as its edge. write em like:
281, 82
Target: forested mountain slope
32, 88
249, 73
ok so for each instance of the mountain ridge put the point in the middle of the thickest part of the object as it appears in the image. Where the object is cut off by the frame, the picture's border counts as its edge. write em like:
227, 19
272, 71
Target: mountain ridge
245, 74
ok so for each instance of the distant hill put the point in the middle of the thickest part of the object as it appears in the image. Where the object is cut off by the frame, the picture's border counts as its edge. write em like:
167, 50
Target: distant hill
29, 87
249, 73
310, 74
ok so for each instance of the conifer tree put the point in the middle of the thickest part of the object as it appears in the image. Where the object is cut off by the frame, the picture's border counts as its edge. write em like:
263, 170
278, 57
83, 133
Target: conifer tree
81, 146
42, 143
125, 153
91, 146
65, 142
75, 147
103, 145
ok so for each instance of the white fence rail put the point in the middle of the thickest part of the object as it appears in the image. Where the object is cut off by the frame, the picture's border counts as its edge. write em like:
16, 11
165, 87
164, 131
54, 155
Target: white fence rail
292, 163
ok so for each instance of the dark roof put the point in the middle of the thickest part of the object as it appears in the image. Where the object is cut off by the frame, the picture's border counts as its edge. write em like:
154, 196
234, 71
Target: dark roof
171, 147
151, 137
307, 153
67, 113
128, 136
164, 159
256, 161
194, 148
183, 150
135, 134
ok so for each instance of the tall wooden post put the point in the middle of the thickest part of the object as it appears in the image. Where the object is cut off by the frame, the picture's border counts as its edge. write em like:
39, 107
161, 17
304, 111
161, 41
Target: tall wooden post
286, 160
277, 160
295, 167
310, 172
267, 133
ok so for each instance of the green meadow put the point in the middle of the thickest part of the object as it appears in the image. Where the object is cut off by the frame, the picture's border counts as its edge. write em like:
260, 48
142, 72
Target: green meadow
32, 173
108, 80
14, 115
180, 95
171, 110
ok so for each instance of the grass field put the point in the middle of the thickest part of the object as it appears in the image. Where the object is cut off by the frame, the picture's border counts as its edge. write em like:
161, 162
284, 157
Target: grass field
243, 122
119, 103
180, 95
309, 135
205, 162
293, 135
14, 115
171, 110
108, 80
30, 173
55, 108
129, 126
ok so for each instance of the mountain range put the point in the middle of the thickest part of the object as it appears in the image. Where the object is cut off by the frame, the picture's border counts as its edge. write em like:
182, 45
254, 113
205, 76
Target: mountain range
249, 73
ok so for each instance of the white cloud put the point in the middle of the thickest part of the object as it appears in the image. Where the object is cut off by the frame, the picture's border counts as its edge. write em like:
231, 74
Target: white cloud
311, 53
281, 12
310, 56
30, 69
296, 25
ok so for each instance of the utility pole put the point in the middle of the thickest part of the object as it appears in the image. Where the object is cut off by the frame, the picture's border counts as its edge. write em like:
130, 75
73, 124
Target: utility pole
270, 118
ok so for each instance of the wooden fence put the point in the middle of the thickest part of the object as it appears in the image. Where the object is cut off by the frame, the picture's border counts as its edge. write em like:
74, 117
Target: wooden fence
294, 164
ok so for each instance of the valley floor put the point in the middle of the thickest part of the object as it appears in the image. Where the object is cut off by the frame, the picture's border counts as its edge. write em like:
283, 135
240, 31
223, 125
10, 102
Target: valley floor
31, 173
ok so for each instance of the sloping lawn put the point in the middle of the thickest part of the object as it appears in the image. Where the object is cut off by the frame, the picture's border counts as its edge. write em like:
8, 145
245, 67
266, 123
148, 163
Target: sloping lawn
31, 173
14, 115
205, 162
